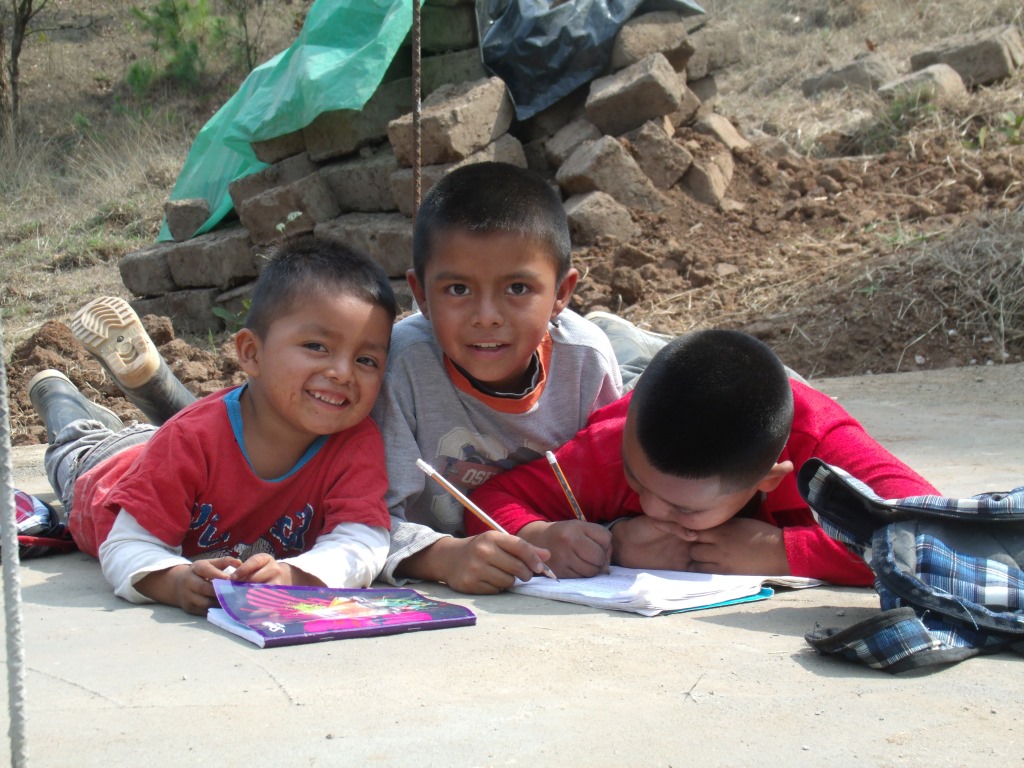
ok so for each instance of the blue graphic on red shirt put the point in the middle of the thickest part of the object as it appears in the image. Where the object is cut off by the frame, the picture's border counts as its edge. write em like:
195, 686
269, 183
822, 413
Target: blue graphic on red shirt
204, 520
285, 537
291, 530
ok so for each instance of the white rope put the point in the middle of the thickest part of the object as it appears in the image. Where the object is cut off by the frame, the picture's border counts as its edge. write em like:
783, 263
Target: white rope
12, 580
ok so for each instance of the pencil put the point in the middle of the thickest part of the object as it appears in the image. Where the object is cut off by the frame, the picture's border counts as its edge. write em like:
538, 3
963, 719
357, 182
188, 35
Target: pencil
486, 519
565, 487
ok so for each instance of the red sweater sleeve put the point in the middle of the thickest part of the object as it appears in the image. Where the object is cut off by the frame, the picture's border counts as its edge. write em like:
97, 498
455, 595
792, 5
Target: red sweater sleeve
592, 463
823, 429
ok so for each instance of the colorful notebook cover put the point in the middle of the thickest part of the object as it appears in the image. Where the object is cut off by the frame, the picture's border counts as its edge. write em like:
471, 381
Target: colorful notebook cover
270, 615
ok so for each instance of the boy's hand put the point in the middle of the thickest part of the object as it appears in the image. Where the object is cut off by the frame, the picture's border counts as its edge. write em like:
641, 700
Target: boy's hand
480, 565
577, 549
262, 568
740, 545
187, 586
641, 542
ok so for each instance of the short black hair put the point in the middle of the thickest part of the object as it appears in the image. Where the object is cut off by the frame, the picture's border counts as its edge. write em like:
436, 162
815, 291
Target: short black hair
300, 268
714, 403
493, 197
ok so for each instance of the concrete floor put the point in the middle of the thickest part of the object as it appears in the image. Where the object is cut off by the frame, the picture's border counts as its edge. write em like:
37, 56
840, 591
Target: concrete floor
536, 682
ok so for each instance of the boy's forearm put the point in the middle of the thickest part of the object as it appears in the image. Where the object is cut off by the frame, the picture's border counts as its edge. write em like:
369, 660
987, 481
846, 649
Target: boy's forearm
350, 556
300, 578
406, 540
533, 532
163, 586
812, 553
429, 564
130, 552
511, 516
516, 498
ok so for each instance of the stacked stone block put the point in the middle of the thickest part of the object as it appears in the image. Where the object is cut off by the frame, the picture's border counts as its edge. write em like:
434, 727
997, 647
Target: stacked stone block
941, 73
611, 147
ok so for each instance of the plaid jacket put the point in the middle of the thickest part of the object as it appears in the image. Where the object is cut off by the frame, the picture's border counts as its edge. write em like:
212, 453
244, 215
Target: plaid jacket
947, 571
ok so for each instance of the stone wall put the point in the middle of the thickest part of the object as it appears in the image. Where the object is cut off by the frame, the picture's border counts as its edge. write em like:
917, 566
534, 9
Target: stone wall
610, 147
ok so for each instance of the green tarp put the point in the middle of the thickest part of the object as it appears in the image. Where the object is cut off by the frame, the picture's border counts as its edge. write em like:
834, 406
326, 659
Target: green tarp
336, 62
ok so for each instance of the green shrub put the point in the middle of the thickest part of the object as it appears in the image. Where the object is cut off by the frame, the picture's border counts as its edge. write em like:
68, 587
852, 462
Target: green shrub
183, 32
140, 77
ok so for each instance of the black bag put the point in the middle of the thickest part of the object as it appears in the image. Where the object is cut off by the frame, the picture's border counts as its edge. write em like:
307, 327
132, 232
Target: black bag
545, 50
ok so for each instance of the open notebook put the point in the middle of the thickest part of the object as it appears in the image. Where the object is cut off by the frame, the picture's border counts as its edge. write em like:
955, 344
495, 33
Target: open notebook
653, 592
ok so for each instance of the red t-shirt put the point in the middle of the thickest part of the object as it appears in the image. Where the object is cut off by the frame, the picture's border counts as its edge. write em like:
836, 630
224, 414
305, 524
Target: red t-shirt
191, 486
592, 462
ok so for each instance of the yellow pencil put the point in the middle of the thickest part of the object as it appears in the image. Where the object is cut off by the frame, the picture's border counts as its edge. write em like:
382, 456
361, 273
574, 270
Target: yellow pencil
486, 519
565, 487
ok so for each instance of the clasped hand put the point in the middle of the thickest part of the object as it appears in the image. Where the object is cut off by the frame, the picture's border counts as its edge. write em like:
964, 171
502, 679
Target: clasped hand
737, 546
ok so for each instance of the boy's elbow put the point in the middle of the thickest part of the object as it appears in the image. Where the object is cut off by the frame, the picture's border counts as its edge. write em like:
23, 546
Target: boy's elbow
377, 545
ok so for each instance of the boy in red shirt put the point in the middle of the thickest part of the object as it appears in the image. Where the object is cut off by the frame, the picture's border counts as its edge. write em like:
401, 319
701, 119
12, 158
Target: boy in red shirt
694, 470
281, 479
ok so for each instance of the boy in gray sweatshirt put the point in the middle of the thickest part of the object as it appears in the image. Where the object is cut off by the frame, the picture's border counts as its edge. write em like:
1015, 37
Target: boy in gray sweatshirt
492, 372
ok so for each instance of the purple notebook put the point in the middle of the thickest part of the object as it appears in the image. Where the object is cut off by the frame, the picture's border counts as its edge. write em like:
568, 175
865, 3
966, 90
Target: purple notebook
269, 615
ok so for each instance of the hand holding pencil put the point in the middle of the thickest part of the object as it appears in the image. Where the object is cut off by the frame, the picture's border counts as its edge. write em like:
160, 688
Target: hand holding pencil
473, 508
576, 550
570, 497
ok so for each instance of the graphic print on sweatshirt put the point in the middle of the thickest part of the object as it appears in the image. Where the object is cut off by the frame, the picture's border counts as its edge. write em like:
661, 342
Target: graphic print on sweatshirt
467, 460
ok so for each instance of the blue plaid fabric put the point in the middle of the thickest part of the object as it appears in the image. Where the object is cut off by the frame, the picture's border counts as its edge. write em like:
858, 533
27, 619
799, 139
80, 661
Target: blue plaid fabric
940, 603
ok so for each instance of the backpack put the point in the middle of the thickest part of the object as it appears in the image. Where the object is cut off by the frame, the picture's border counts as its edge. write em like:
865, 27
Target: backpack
947, 571
41, 530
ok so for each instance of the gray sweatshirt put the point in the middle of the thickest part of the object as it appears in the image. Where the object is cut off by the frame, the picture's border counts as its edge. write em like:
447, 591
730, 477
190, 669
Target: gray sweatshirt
427, 409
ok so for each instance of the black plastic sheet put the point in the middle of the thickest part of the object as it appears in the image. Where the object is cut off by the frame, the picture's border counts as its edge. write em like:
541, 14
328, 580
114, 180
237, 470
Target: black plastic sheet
544, 49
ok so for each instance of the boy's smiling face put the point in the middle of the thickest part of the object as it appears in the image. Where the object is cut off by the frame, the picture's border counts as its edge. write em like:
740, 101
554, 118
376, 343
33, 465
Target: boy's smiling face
320, 366
489, 297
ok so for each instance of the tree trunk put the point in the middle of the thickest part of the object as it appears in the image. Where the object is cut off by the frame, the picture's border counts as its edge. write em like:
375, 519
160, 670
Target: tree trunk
6, 114
23, 14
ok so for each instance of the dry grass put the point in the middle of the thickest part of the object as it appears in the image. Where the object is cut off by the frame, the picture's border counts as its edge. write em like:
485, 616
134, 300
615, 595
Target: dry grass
69, 213
985, 269
961, 286
94, 164
785, 42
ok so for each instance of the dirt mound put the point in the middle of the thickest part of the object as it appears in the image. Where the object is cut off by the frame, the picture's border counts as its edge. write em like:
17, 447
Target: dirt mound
844, 265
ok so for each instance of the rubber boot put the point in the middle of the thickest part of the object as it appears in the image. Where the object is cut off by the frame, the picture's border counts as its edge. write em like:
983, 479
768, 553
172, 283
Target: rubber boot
58, 403
112, 333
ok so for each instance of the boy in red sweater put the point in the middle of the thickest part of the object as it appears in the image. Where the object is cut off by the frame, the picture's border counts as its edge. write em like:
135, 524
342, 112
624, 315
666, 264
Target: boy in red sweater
694, 471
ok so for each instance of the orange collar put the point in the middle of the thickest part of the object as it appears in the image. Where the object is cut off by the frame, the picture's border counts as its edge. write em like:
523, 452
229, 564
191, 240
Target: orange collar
506, 404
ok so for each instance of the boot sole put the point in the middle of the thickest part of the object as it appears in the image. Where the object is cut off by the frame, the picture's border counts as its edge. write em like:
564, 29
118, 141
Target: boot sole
112, 333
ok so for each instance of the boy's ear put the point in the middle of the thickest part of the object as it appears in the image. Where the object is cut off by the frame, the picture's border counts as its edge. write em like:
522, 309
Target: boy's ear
564, 292
775, 475
418, 291
247, 350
